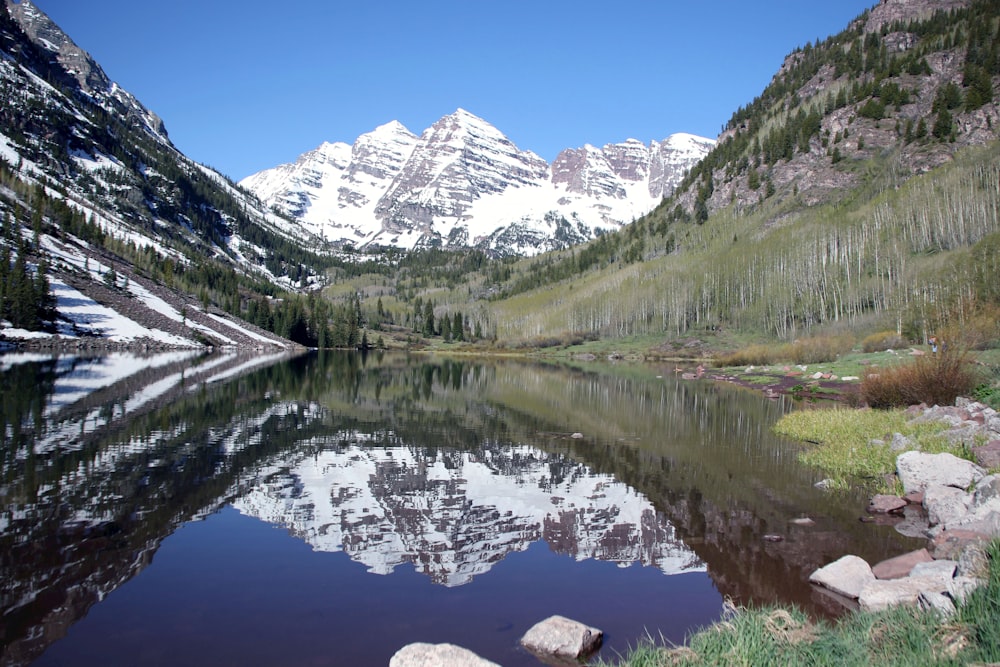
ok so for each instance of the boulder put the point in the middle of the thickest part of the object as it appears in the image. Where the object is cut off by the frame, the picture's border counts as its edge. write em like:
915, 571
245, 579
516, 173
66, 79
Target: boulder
960, 588
882, 594
946, 504
972, 562
919, 470
437, 655
938, 602
847, 576
562, 638
883, 504
949, 544
987, 490
935, 568
900, 566
984, 520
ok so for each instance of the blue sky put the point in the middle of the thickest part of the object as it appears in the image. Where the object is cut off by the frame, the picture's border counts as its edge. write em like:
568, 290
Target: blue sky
244, 86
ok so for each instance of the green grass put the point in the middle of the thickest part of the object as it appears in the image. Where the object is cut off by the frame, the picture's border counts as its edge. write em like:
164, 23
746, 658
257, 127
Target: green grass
841, 439
901, 636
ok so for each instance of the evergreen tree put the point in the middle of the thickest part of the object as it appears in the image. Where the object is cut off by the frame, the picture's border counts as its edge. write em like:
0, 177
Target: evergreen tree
428, 319
942, 124
446, 328
458, 327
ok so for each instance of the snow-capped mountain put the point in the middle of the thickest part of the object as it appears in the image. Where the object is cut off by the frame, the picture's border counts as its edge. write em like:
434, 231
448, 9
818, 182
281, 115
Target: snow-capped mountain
456, 514
64, 122
463, 183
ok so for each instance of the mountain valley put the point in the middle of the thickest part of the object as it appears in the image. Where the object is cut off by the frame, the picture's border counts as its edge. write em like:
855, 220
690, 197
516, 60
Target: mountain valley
857, 191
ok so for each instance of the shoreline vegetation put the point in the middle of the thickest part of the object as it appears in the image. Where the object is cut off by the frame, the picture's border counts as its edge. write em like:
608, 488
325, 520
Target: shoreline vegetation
897, 636
848, 441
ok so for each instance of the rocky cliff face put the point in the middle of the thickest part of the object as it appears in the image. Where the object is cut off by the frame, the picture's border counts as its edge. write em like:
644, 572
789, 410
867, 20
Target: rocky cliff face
888, 12
463, 183
88, 74
875, 89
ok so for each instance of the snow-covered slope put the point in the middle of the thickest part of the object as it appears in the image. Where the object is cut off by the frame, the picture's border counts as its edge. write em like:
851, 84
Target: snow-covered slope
463, 183
65, 123
454, 515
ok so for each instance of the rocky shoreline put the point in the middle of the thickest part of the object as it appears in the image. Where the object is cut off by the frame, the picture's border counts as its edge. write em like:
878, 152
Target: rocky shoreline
953, 502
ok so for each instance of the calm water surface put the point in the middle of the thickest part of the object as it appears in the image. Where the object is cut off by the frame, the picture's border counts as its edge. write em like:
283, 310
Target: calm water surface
328, 509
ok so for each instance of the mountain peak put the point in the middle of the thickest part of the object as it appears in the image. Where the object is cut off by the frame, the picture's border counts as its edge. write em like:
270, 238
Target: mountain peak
393, 127
463, 182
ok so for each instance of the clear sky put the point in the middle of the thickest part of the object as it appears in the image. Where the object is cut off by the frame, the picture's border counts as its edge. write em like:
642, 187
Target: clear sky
246, 85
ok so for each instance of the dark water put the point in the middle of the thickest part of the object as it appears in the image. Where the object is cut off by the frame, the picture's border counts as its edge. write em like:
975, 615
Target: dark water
328, 509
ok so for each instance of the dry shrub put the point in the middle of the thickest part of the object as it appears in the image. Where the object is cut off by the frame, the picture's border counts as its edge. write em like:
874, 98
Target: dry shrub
819, 349
882, 341
784, 627
814, 350
934, 379
755, 355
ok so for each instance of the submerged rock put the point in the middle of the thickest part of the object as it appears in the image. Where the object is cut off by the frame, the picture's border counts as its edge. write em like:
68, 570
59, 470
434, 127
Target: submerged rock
883, 504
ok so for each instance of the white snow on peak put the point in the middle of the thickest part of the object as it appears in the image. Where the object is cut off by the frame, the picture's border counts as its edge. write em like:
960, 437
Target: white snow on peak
462, 180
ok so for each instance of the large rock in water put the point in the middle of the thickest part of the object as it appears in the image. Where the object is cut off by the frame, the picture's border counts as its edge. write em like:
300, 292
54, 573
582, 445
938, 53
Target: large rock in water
918, 471
847, 576
562, 638
437, 655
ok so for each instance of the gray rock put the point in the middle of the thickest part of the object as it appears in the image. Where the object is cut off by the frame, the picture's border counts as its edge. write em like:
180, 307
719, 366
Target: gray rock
972, 561
988, 489
935, 568
938, 602
900, 443
437, 655
824, 484
946, 504
985, 520
918, 471
847, 576
882, 594
960, 588
561, 637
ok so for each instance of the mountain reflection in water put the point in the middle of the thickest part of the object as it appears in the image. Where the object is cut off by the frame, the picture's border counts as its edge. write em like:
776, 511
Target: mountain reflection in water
454, 514
452, 467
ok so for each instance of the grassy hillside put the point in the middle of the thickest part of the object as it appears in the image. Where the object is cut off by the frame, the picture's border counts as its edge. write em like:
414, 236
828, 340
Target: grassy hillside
904, 254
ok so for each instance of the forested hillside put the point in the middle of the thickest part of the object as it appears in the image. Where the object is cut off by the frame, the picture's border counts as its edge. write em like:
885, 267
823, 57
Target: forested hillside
860, 188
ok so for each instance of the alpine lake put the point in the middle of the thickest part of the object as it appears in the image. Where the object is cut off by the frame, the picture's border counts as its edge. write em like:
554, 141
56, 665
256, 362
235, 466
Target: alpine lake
329, 508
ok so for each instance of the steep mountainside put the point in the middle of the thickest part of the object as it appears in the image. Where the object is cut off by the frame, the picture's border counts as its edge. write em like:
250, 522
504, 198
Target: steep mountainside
859, 190
463, 183
908, 83
98, 204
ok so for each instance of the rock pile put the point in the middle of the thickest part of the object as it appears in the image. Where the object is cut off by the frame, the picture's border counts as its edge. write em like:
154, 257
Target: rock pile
962, 504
